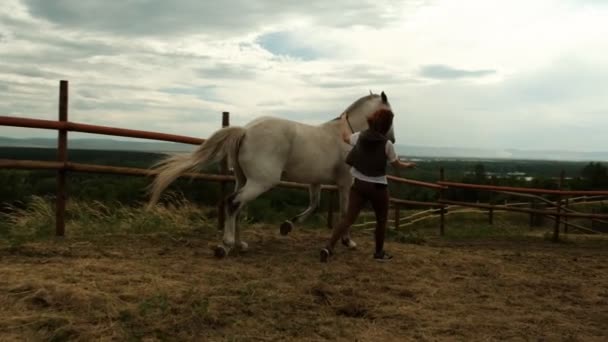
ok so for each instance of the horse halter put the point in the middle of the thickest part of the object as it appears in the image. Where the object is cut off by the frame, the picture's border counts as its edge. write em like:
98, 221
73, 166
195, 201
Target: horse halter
348, 122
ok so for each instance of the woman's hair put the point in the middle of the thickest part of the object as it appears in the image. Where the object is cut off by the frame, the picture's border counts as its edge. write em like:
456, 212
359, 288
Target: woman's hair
381, 120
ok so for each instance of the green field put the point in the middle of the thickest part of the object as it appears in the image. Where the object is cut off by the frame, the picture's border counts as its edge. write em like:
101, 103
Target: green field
19, 185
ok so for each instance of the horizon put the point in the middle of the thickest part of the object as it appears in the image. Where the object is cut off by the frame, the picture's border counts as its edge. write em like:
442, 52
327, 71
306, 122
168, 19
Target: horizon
473, 74
412, 152
102, 137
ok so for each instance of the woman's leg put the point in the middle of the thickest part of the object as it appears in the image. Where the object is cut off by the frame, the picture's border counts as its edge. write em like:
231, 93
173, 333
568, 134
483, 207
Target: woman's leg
356, 201
380, 201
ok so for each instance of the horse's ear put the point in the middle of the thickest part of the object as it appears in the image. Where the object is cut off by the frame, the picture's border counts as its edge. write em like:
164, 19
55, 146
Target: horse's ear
370, 92
384, 99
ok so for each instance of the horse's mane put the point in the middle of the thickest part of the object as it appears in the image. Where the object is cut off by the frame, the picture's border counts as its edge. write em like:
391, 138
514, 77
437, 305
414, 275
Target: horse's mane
356, 104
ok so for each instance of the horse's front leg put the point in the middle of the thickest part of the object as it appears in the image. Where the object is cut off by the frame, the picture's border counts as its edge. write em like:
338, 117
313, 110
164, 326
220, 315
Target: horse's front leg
314, 192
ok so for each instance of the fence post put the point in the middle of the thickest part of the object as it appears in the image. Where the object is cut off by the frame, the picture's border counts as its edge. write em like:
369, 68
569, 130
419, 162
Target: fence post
558, 208
221, 214
62, 157
442, 206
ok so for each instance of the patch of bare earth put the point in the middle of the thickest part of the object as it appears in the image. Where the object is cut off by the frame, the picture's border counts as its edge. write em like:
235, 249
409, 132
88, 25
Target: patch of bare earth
162, 288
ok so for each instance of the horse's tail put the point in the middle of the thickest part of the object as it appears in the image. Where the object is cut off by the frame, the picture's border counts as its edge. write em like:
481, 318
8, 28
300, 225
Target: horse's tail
221, 144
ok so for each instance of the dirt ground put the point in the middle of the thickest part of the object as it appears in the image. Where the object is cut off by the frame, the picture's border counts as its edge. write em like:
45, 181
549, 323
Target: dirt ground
159, 287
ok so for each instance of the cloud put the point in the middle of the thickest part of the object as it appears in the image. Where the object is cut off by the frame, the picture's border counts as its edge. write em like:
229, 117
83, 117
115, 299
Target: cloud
202, 92
272, 103
85, 105
356, 76
87, 94
559, 106
165, 18
438, 71
567, 79
283, 44
29, 72
585, 2
175, 66
316, 116
229, 71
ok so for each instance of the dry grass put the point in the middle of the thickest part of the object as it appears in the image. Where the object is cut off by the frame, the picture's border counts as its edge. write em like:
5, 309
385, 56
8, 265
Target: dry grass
165, 285
87, 219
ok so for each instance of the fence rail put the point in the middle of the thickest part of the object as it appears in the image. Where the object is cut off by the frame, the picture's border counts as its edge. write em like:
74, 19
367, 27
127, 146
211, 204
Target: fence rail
62, 165
524, 190
127, 171
104, 130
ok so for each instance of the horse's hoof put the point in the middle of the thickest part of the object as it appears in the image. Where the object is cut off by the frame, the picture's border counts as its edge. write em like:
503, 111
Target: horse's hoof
219, 251
242, 246
286, 227
349, 243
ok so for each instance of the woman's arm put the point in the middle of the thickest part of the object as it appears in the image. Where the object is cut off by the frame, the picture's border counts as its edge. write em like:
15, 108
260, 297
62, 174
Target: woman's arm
399, 164
390, 153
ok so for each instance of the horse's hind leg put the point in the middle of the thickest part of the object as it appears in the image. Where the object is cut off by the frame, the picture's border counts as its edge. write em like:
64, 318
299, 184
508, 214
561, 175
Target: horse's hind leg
234, 203
240, 182
314, 192
344, 192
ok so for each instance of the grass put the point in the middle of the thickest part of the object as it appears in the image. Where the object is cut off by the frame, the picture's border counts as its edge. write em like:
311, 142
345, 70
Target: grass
125, 274
178, 218
149, 288
89, 219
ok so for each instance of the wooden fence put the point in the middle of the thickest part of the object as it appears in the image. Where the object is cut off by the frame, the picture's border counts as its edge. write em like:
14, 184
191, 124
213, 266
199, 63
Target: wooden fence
63, 165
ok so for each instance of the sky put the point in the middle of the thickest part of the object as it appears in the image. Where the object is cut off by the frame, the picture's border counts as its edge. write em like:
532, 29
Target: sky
458, 73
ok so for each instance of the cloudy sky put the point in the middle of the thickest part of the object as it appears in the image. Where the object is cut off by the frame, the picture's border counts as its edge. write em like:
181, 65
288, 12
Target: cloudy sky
461, 73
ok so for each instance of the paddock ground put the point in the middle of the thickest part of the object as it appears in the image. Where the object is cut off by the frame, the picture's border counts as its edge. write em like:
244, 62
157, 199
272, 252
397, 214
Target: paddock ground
159, 287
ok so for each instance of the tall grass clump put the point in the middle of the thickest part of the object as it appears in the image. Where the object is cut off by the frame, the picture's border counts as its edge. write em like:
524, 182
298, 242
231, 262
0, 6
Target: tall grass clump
36, 221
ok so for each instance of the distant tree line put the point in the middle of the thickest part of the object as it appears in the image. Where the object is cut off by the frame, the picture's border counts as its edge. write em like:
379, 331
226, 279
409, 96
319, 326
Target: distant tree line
17, 186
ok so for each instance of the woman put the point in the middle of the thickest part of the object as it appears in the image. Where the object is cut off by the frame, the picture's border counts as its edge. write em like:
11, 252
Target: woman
368, 159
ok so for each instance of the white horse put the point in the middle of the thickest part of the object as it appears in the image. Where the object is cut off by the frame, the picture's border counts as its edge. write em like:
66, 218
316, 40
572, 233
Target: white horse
268, 150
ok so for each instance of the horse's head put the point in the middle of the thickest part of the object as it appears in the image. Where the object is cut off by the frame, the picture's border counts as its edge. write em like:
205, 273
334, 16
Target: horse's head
358, 112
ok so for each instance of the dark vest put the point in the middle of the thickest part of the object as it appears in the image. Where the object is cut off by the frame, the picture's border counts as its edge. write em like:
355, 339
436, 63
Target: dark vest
368, 155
